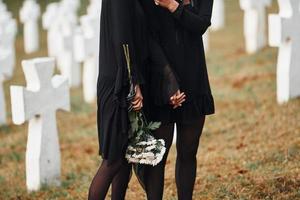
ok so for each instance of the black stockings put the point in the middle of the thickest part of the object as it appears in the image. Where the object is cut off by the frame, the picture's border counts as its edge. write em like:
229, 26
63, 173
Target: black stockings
154, 176
117, 173
188, 136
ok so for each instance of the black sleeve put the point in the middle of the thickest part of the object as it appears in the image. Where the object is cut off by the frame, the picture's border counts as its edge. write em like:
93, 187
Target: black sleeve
122, 22
163, 82
197, 23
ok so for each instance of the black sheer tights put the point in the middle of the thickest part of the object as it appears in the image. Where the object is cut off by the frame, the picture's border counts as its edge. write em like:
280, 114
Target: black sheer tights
154, 176
117, 173
188, 136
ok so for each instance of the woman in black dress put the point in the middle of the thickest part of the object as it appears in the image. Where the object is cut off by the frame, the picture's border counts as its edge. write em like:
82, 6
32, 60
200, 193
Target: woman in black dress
178, 25
123, 22
117, 29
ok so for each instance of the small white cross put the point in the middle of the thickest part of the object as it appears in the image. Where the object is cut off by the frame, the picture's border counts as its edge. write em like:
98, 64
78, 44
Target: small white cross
285, 34
4, 74
255, 24
29, 15
218, 15
38, 103
87, 51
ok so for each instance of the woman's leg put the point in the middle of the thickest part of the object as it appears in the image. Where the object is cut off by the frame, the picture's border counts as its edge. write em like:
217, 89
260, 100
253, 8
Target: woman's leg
103, 178
154, 176
186, 163
120, 182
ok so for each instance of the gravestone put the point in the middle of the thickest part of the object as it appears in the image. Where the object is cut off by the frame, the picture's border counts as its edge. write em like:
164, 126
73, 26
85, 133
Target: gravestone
87, 51
38, 103
49, 23
94, 8
3, 7
8, 32
69, 66
255, 24
205, 39
60, 20
285, 34
218, 15
29, 15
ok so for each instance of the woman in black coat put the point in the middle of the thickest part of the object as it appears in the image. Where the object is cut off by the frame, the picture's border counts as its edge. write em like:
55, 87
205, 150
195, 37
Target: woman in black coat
123, 22
177, 26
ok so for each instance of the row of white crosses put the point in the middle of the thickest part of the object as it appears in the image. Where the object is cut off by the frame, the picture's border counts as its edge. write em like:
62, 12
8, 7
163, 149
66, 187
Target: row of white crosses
29, 15
255, 24
60, 21
39, 101
8, 31
285, 34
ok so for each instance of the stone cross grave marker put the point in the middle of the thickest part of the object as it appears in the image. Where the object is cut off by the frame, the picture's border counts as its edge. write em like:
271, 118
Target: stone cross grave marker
285, 34
87, 51
218, 15
38, 103
49, 23
29, 15
3, 7
94, 7
69, 66
255, 24
205, 38
8, 32
5, 73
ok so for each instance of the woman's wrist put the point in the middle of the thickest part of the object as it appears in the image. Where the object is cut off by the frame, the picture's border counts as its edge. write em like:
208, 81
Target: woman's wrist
173, 6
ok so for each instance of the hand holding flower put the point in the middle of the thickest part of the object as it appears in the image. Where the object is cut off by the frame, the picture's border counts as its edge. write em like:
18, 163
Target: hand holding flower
137, 102
171, 5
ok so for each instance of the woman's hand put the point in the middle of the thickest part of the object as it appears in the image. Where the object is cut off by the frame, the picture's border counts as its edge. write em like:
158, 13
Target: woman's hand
177, 99
171, 5
137, 102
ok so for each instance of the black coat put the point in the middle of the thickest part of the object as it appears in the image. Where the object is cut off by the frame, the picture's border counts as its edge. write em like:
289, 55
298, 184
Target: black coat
180, 36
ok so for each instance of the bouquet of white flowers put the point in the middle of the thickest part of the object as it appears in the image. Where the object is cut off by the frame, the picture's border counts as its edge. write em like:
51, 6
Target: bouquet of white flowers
143, 148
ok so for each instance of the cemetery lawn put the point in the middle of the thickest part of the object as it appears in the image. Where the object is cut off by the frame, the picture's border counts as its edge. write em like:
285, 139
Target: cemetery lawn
250, 148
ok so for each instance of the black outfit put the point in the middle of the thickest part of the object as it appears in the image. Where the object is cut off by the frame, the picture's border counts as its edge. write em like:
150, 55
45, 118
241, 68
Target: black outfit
124, 22
179, 35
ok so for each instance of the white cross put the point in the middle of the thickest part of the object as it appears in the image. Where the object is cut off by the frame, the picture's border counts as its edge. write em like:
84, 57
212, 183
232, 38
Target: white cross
254, 24
4, 74
8, 32
3, 7
218, 15
87, 51
206, 40
94, 8
60, 21
68, 65
29, 15
285, 34
49, 22
38, 103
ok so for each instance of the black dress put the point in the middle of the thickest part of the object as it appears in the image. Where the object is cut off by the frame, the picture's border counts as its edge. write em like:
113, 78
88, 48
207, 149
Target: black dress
123, 22
179, 35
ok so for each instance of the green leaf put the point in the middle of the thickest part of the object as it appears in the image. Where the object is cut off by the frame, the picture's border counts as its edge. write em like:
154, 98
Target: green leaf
154, 125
